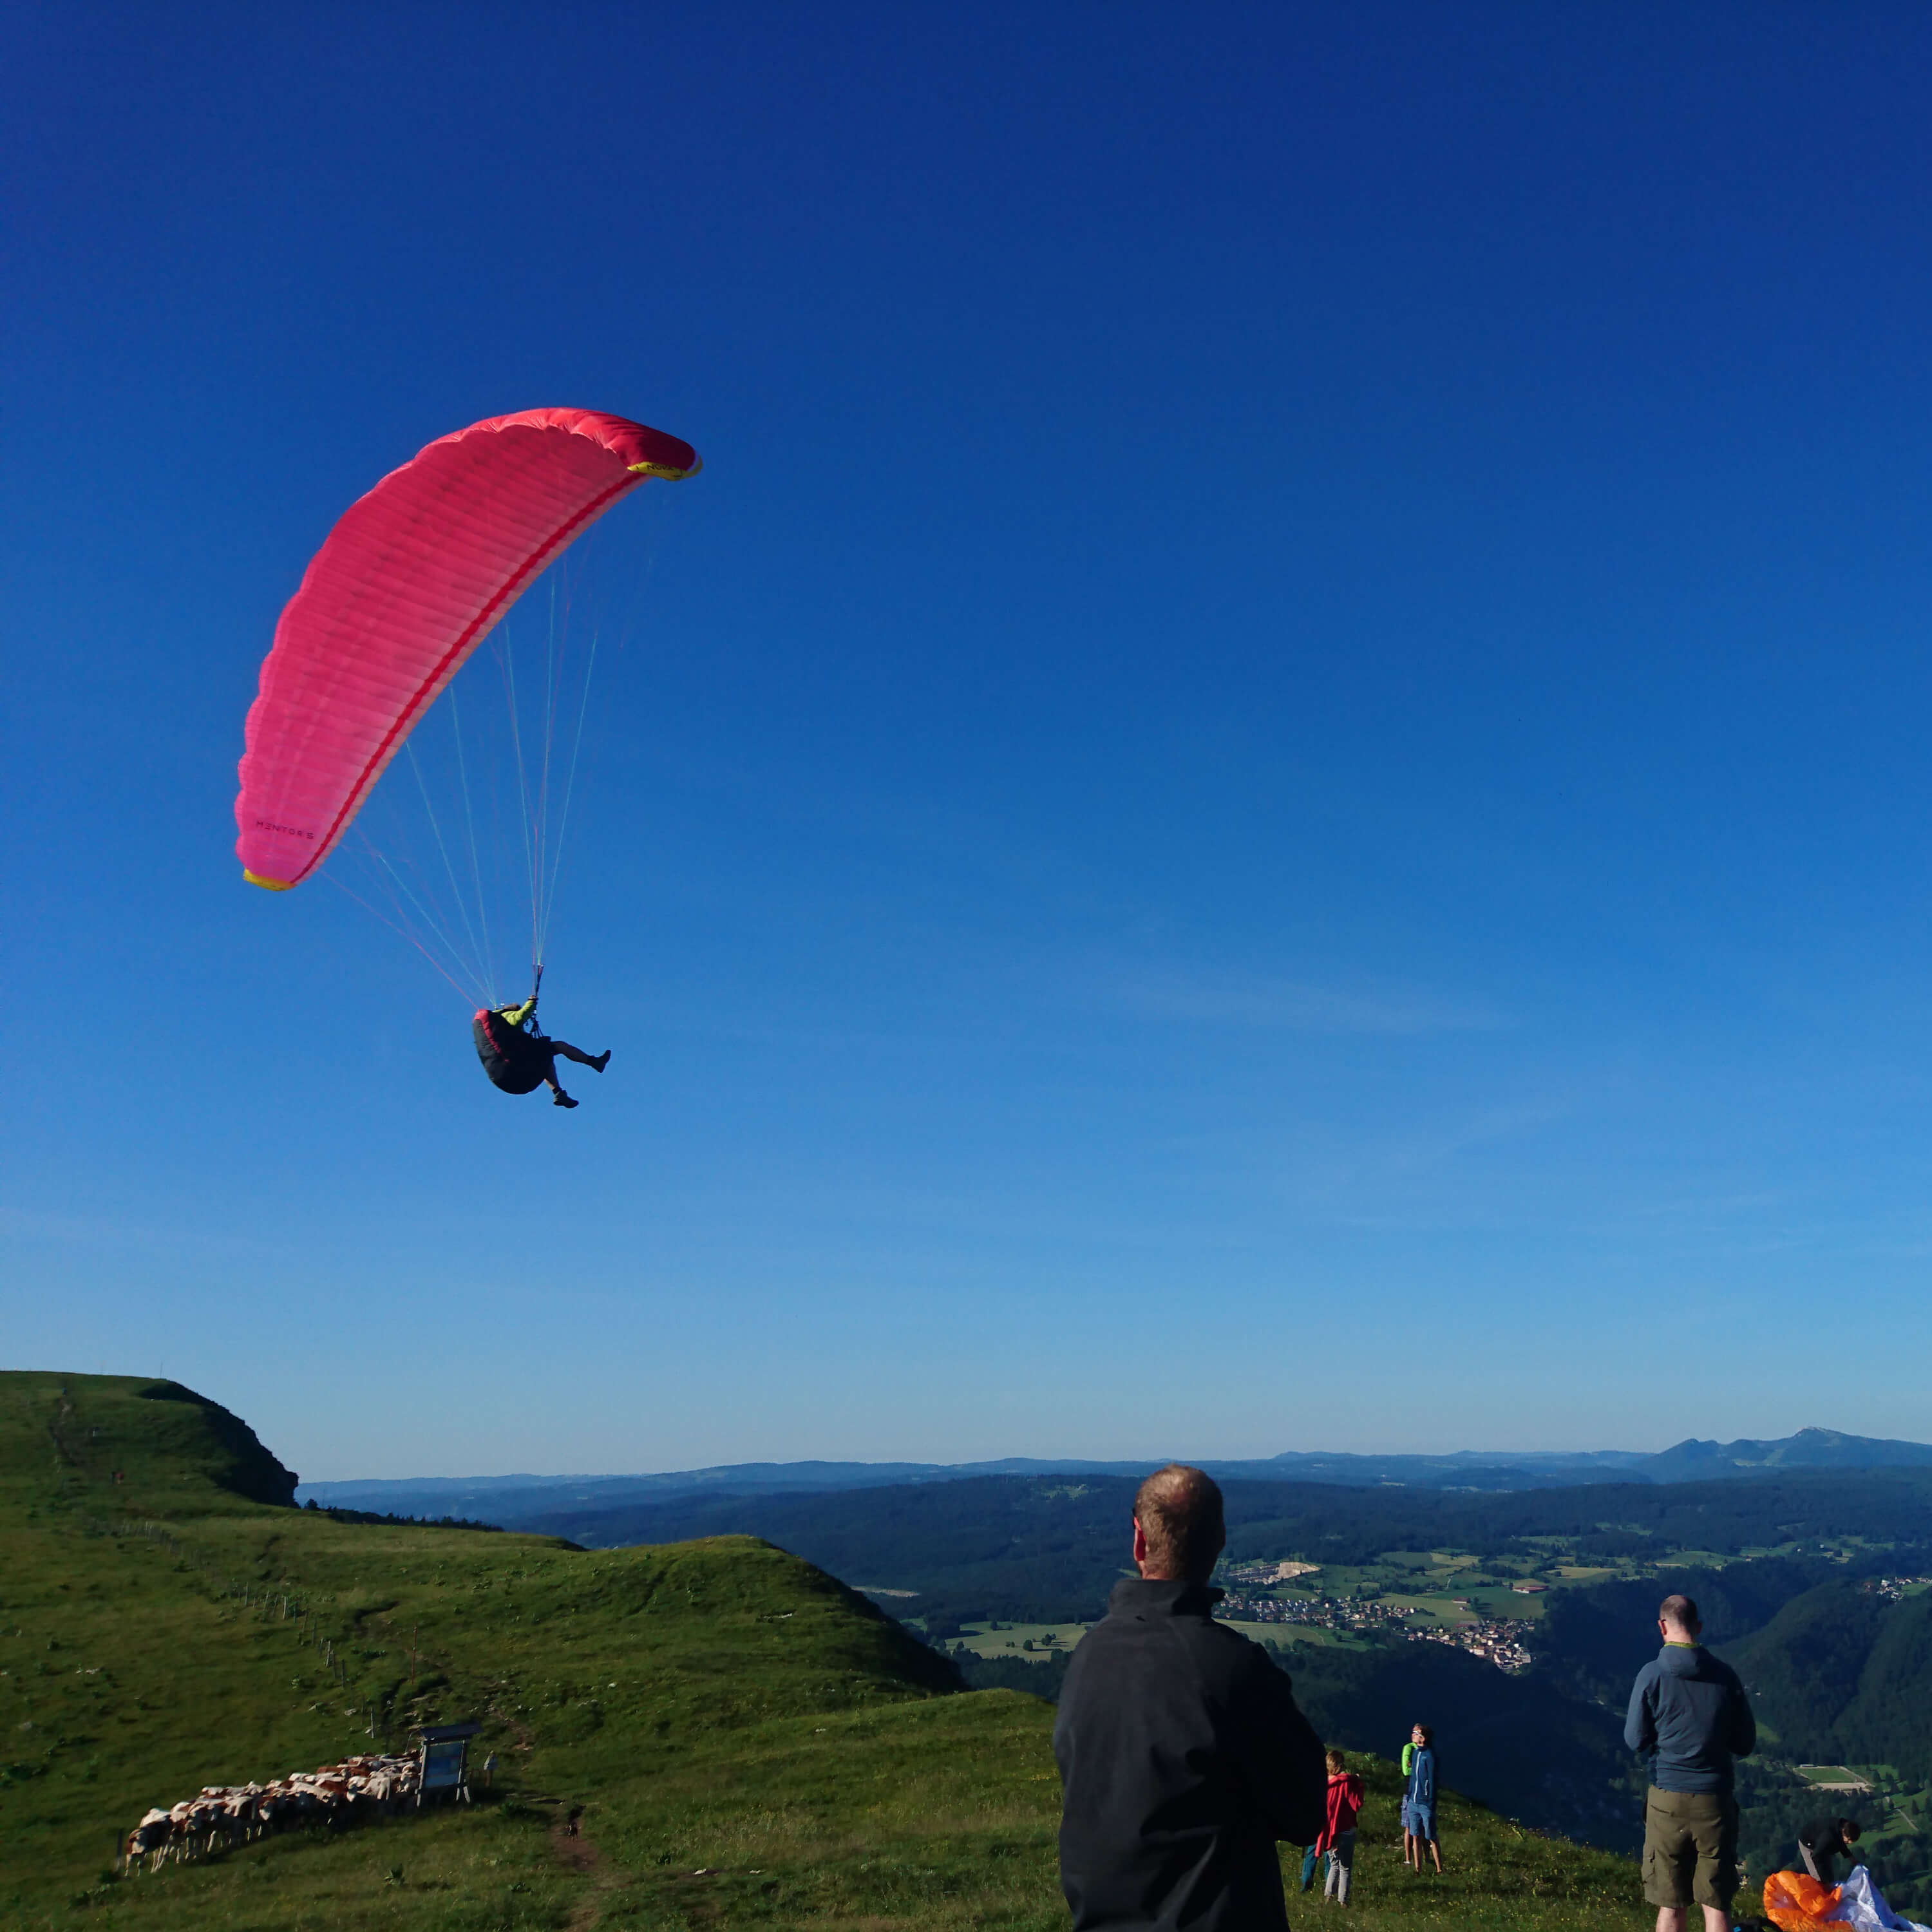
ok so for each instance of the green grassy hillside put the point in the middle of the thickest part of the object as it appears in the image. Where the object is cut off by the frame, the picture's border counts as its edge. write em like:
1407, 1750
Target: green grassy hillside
750, 1743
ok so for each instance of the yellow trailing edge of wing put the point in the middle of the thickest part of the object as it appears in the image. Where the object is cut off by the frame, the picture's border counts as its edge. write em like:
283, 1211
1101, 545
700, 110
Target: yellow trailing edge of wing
665, 473
267, 885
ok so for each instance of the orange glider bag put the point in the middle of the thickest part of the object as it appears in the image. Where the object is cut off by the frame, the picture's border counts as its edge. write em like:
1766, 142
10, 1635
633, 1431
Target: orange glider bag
1796, 1902
407, 585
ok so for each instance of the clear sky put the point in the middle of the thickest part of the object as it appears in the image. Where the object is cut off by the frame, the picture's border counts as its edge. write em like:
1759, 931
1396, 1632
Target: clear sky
1272, 794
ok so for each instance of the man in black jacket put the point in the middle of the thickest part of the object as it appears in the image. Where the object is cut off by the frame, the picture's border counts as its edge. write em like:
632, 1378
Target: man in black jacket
1182, 1755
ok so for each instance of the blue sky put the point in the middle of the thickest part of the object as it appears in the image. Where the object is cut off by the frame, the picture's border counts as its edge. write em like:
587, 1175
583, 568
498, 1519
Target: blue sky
1271, 795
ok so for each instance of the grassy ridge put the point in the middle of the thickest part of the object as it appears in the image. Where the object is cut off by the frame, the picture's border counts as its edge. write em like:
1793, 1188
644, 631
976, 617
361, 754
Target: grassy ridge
750, 1743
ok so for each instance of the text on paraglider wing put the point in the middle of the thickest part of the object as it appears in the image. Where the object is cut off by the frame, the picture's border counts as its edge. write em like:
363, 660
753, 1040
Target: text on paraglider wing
287, 831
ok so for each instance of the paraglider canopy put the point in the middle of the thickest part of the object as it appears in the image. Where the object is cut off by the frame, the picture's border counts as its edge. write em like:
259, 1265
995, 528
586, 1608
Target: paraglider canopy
408, 584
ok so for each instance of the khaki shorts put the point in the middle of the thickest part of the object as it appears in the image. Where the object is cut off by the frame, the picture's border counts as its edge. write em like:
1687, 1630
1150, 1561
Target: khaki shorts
1690, 1848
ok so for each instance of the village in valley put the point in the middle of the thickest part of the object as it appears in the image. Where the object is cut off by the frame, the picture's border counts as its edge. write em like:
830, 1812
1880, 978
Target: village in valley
1488, 1607
1381, 1609
1450, 1601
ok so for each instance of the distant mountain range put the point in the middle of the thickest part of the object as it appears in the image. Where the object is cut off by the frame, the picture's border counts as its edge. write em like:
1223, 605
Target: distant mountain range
513, 1499
1693, 1461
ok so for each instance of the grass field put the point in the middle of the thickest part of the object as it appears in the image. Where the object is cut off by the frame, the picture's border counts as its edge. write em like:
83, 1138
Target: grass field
749, 1742
1012, 1640
1309, 1636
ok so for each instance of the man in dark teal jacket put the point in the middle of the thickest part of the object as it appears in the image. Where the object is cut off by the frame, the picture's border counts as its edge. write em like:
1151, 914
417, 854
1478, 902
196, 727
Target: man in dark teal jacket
1182, 1755
1689, 1717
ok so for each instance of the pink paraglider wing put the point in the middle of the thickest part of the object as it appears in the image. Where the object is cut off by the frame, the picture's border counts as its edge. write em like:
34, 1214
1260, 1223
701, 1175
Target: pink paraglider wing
408, 584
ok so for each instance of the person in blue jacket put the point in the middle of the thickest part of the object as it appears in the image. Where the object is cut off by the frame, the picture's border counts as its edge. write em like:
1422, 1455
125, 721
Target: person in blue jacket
1410, 1855
1418, 1806
1689, 1718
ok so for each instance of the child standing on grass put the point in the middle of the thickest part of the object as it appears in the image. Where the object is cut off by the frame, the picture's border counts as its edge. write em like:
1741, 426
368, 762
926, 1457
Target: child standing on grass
1338, 1830
1411, 1853
1420, 1804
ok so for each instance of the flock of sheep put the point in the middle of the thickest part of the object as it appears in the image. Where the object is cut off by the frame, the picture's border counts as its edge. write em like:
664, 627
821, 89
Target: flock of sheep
225, 1815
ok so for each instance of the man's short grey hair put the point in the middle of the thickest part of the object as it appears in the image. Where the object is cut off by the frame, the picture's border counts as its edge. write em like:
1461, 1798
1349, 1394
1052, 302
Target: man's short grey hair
1179, 1513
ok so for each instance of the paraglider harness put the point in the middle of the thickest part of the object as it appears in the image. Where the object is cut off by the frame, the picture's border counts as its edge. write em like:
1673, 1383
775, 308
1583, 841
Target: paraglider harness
518, 1061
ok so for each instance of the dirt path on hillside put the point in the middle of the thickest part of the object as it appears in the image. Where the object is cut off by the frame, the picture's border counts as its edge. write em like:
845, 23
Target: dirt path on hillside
575, 1852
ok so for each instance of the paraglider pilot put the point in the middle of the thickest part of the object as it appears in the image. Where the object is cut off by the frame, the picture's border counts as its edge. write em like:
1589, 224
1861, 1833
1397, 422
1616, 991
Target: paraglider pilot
518, 1058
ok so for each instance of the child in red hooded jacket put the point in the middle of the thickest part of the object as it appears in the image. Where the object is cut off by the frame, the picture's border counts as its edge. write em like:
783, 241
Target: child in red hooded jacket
1338, 1829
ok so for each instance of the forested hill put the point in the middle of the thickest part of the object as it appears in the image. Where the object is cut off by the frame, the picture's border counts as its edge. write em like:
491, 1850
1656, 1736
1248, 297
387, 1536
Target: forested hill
1048, 1549
1842, 1674
1809, 1449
